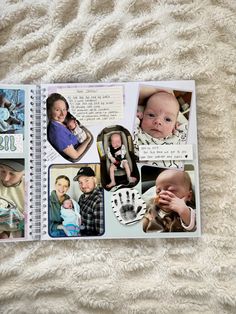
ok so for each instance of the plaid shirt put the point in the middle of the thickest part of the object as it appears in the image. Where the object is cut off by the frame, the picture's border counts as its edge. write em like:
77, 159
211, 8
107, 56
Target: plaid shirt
92, 212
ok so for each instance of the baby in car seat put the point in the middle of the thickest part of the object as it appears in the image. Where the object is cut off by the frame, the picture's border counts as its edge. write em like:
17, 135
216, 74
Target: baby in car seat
116, 153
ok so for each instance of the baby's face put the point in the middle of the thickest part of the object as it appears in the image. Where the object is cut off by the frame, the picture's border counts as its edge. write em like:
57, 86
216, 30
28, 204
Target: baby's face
175, 182
68, 204
116, 141
71, 124
160, 115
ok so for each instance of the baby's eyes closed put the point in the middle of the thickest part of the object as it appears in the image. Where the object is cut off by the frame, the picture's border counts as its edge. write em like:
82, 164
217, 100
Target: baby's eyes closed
171, 189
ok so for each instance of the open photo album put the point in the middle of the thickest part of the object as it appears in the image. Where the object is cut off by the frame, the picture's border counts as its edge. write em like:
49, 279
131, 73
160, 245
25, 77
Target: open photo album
99, 161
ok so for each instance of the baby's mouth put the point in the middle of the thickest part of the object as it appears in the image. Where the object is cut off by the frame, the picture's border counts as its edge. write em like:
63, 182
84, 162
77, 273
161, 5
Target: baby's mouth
156, 130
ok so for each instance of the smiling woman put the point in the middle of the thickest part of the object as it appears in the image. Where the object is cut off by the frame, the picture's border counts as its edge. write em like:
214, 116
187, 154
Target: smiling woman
57, 197
60, 137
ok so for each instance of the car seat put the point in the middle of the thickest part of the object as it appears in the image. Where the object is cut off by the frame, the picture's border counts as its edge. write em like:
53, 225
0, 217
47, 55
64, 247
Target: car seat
103, 142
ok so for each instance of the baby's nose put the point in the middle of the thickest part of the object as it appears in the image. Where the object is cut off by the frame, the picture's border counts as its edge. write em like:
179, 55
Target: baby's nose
158, 120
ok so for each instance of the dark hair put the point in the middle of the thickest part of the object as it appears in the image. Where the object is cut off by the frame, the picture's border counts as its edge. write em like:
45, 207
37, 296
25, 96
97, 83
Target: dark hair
62, 177
52, 99
69, 117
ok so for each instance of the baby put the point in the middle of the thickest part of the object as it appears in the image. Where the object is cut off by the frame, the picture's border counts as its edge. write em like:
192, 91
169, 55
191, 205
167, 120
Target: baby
70, 213
73, 126
158, 124
168, 211
116, 153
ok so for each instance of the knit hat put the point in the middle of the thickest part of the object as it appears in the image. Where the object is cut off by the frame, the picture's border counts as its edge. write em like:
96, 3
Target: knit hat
15, 164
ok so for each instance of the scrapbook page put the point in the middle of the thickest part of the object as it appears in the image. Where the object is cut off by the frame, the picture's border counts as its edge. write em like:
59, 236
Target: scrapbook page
119, 160
99, 161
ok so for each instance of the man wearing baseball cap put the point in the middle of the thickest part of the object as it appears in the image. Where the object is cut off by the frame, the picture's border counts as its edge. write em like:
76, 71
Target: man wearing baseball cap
91, 202
12, 189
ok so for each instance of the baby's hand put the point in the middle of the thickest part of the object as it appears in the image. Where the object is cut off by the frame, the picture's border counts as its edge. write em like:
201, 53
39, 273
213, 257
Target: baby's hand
169, 201
113, 160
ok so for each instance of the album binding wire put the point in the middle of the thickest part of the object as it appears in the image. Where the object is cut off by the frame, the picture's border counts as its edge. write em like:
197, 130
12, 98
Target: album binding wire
35, 164
44, 163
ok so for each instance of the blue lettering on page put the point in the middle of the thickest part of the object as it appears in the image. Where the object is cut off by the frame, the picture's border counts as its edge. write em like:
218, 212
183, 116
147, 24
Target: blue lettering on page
7, 143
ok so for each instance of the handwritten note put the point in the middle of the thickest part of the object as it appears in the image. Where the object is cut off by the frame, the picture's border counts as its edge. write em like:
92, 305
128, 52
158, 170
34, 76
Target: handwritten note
93, 105
165, 152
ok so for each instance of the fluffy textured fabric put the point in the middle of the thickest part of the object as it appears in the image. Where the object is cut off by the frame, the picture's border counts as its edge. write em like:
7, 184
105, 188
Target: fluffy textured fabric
131, 40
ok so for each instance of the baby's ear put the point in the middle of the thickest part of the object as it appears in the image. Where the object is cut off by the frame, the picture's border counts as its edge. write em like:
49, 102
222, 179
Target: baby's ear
140, 115
190, 195
177, 124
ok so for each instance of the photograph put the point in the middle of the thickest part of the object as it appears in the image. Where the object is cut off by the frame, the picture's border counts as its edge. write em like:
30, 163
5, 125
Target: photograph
162, 119
64, 132
12, 115
12, 198
169, 195
76, 201
116, 152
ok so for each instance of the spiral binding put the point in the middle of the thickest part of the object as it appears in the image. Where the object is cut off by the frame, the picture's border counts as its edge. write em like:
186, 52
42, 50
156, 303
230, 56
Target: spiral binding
35, 164
44, 192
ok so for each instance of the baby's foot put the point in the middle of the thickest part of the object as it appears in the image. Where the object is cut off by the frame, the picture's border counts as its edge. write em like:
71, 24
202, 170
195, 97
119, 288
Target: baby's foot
111, 184
132, 179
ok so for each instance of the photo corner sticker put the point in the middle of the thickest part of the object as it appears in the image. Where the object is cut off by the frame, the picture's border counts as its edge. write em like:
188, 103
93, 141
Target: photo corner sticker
128, 206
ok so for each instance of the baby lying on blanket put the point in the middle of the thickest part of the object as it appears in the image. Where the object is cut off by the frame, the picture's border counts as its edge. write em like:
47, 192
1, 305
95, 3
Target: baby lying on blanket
70, 213
158, 123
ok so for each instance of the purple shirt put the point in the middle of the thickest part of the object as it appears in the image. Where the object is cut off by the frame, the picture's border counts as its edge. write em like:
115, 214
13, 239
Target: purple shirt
60, 137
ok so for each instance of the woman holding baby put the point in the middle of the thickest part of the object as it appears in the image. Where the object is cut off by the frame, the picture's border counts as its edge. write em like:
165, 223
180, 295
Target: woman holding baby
57, 197
60, 135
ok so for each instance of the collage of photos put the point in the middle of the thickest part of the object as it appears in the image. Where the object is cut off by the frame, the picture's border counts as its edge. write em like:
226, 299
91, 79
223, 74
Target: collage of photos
12, 169
109, 198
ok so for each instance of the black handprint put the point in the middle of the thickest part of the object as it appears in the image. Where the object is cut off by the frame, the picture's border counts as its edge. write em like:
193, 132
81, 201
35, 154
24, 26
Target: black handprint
128, 211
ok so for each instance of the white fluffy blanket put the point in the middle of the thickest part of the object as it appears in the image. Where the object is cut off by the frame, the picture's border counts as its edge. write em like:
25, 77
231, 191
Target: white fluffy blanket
130, 40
